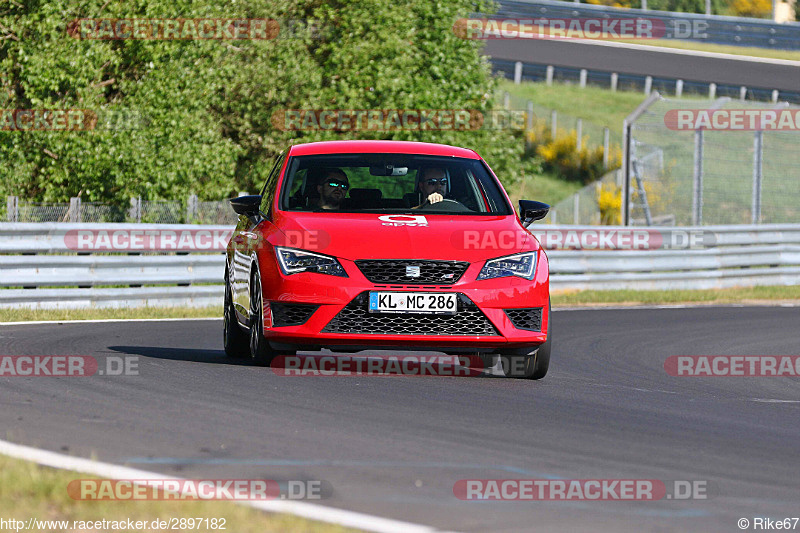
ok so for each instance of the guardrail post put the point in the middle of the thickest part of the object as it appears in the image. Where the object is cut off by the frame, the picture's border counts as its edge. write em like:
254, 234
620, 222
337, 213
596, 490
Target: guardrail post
549, 75
506, 100
74, 209
697, 182
135, 212
579, 131
191, 208
12, 209
678, 88
742, 93
605, 148
583, 78
553, 124
648, 85
758, 148
517, 72
775, 93
712, 90
614, 81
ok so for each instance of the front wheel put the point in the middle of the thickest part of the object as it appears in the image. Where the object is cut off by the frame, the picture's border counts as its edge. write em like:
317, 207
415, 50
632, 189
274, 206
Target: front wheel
260, 350
234, 339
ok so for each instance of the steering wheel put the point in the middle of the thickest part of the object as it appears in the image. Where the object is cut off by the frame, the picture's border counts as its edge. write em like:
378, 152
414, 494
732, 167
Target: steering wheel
445, 205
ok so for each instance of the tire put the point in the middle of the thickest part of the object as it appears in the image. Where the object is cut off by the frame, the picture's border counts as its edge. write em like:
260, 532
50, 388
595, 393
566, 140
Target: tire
532, 365
261, 352
235, 340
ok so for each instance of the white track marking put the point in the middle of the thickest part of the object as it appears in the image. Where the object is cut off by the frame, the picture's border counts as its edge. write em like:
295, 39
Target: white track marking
100, 321
306, 510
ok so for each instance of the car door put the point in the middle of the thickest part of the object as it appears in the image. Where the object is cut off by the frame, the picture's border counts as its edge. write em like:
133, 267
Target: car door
247, 239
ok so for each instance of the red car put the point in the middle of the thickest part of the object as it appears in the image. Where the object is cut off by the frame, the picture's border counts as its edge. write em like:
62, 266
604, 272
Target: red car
355, 245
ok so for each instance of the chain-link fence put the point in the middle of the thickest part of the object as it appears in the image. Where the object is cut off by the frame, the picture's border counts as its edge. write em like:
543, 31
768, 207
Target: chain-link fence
560, 123
191, 211
694, 163
594, 204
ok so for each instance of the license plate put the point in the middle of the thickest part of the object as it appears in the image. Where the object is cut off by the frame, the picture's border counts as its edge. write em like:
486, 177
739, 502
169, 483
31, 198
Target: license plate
439, 303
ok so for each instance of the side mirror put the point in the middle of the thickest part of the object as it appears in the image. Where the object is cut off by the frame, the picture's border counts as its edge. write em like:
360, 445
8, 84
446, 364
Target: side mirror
530, 211
246, 205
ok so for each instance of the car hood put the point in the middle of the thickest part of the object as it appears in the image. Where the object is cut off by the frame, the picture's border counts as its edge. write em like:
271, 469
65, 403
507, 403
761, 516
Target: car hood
375, 236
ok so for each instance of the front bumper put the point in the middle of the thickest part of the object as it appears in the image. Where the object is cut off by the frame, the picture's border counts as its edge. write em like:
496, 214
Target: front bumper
490, 298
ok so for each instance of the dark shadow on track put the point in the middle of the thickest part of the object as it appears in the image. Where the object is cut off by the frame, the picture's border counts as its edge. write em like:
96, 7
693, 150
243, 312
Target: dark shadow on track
196, 355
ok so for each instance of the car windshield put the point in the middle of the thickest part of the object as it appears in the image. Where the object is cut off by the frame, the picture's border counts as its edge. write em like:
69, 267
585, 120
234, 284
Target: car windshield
393, 183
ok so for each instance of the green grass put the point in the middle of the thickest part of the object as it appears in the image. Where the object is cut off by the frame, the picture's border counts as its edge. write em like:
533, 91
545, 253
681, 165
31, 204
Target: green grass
594, 104
734, 295
23, 315
28, 490
544, 187
718, 48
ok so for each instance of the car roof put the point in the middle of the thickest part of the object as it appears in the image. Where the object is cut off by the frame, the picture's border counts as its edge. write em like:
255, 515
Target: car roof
379, 147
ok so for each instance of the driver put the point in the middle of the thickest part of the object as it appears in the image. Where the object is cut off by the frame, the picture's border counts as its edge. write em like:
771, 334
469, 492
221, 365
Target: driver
433, 184
332, 189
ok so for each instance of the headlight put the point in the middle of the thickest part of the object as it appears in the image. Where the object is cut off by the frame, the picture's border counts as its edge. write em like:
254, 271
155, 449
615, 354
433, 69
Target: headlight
522, 265
293, 261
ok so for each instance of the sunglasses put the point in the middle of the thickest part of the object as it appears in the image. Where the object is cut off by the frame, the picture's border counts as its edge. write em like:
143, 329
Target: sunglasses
434, 181
335, 184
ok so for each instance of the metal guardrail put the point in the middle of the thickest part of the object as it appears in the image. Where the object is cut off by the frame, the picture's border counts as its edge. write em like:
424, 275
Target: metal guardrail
43, 259
37, 256
741, 255
738, 31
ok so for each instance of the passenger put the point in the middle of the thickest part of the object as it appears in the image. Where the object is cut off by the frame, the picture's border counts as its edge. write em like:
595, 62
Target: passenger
332, 189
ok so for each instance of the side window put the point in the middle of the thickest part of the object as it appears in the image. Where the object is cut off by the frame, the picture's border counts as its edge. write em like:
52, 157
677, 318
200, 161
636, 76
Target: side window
268, 192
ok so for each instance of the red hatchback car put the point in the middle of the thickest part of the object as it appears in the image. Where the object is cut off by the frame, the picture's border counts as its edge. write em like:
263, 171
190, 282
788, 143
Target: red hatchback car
355, 245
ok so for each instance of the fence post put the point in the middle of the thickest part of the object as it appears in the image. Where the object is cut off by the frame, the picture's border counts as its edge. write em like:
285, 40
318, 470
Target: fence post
758, 149
697, 182
605, 147
712, 90
529, 111
614, 81
517, 72
742, 93
775, 96
12, 209
191, 208
579, 128
549, 75
648, 85
583, 78
553, 124
135, 212
576, 204
74, 209
678, 88
506, 100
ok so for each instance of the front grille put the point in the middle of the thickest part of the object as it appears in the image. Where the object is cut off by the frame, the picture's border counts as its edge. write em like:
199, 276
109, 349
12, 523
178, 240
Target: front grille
284, 314
394, 271
526, 318
355, 318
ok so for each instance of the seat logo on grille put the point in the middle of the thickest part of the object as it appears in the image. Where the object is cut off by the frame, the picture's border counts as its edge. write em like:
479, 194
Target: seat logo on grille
413, 272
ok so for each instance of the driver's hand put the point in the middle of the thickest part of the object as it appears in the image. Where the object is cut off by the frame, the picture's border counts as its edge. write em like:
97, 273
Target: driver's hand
435, 197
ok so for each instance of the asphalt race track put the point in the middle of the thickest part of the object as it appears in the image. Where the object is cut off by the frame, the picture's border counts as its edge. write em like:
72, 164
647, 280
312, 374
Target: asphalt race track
395, 446
658, 62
